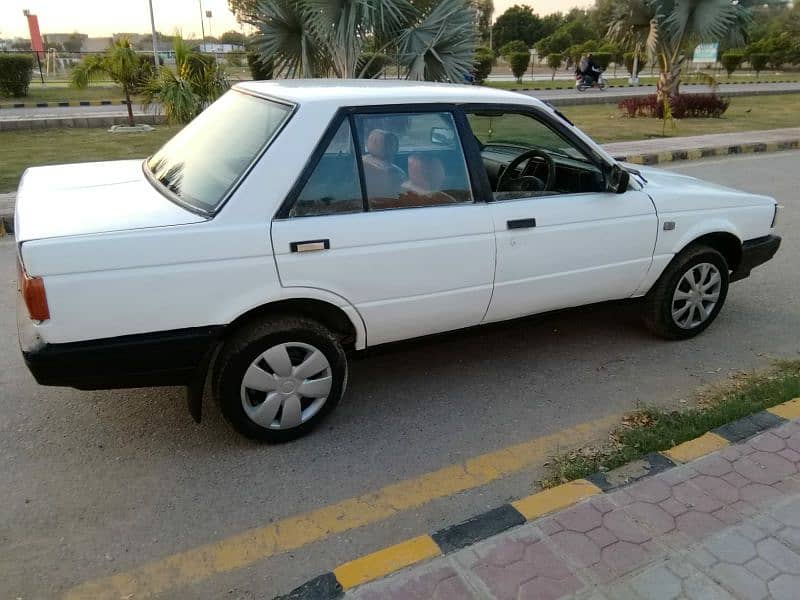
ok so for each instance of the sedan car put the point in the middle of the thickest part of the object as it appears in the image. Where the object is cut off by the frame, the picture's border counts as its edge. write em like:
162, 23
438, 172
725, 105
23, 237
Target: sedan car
296, 222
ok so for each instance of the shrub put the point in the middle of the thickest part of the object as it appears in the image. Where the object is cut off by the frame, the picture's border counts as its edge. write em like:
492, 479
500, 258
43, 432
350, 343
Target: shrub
519, 62
603, 59
16, 71
628, 58
483, 62
511, 47
554, 60
758, 61
260, 69
685, 106
234, 60
732, 60
375, 68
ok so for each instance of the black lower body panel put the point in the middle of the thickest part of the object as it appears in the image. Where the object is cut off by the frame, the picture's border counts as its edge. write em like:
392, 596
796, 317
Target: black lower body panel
144, 360
756, 252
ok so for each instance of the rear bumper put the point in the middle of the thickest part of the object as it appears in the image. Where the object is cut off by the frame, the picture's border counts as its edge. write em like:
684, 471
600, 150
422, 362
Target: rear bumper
152, 359
756, 252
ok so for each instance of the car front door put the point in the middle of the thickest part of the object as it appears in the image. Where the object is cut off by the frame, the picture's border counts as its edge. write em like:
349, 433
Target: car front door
385, 218
570, 244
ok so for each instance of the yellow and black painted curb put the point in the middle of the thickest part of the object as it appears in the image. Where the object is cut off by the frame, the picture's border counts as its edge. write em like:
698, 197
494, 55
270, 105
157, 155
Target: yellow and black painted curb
647, 85
62, 103
657, 158
376, 565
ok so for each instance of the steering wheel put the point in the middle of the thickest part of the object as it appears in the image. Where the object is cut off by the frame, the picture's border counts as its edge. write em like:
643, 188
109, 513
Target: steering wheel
508, 182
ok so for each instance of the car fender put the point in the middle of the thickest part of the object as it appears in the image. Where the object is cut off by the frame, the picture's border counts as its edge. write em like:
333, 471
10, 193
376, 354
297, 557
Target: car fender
259, 298
667, 245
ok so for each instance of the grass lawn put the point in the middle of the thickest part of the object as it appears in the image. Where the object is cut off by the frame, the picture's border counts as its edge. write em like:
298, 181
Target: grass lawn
655, 429
52, 93
604, 122
22, 149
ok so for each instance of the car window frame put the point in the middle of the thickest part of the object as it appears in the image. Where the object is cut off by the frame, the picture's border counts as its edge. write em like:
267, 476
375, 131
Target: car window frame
546, 120
465, 138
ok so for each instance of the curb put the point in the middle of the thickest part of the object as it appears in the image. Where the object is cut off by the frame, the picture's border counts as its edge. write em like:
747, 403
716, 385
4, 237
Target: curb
650, 85
370, 567
64, 103
698, 153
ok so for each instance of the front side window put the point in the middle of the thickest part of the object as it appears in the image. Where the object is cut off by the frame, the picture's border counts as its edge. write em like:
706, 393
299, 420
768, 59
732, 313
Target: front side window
525, 157
412, 160
208, 156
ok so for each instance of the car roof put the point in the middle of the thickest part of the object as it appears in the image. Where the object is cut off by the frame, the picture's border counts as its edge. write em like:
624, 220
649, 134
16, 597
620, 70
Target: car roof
358, 92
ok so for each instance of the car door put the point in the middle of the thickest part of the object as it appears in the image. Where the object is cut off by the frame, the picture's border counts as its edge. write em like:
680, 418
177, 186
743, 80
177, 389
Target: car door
573, 244
385, 217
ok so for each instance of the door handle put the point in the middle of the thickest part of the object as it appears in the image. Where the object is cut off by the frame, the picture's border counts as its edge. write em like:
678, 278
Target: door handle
521, 223
310, 246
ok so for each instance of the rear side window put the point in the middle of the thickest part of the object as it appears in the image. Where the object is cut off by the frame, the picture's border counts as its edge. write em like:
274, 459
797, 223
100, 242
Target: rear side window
334, 186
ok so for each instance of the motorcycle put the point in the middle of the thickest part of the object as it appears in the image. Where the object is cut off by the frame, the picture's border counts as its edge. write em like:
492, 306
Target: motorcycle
585, 82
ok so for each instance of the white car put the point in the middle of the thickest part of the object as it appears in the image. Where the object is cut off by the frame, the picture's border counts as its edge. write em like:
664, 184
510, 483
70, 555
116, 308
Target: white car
295, 222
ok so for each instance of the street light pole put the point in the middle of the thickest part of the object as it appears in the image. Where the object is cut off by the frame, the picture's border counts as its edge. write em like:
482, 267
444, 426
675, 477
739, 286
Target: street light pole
153, 30
202, 26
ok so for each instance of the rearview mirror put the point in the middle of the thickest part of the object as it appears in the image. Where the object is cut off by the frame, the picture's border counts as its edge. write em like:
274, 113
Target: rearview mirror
442, 136
618, 180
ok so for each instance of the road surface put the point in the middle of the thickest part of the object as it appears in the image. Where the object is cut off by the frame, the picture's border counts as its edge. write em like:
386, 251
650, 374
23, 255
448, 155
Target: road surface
97, 483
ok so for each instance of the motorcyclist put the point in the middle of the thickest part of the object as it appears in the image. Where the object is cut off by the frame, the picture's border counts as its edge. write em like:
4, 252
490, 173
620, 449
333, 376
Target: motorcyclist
588, 69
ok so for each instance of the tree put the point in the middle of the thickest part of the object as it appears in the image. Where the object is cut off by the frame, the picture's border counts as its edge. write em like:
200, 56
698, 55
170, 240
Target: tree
554, 61
642, 63
74, 43
517, 23
732, 60
233, 37
670, 29
121, 63
194, 84
758, 61
309, 38
484, 10
482, 64
519, 62
511, 47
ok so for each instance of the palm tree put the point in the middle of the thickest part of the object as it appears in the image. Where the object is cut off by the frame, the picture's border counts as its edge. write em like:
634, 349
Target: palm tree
317, 38
194, 84
669, 29
121, 63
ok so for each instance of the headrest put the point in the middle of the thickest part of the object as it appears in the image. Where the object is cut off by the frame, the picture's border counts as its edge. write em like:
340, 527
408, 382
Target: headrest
382, 144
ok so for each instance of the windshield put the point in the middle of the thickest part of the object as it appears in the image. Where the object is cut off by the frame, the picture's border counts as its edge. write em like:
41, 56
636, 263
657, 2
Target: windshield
208, 156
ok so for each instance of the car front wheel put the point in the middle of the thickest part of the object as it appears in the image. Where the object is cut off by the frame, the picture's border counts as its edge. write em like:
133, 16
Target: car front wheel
689, 295
276, 380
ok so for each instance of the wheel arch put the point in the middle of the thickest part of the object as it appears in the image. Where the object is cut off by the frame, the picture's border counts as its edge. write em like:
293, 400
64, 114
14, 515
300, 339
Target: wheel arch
343, 320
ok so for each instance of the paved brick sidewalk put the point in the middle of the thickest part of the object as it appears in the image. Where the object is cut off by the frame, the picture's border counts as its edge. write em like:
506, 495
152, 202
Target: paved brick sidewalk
724, 526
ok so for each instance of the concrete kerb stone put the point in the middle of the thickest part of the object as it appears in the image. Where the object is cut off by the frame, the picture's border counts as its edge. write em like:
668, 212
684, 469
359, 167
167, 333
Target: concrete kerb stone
488, 524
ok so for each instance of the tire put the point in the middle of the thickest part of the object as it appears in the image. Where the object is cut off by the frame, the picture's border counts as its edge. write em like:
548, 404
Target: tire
277, 401
669, 315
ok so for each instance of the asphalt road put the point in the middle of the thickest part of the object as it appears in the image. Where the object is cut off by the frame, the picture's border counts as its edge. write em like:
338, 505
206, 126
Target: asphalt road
608, 95
92, 483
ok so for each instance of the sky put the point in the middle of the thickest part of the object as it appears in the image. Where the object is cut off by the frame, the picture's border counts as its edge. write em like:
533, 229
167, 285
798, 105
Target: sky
104, 17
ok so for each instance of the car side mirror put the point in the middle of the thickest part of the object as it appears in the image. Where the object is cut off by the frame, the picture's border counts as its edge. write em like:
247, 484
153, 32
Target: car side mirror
618, 180
442, 136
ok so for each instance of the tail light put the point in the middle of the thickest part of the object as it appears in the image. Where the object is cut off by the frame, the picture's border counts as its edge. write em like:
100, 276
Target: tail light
32, 290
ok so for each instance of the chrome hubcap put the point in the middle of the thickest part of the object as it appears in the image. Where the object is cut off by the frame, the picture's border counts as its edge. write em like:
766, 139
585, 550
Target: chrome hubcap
286, 386
696, 295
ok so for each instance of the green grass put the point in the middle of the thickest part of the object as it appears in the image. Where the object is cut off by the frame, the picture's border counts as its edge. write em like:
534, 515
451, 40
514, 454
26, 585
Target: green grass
22, 149
653, 429
605, 122
37, 93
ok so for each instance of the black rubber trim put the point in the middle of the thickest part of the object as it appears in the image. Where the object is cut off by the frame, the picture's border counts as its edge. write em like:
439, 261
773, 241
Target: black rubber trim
755, 252
142, 360
478, 528
324, 587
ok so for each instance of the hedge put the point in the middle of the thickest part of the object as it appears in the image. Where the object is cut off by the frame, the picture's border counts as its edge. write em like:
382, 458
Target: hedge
684, 106
519, 63
16, 71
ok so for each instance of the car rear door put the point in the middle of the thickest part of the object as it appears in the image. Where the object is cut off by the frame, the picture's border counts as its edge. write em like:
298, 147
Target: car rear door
412, 259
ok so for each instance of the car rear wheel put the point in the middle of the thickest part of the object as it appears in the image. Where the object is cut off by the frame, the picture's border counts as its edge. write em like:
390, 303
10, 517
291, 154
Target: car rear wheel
276, 380
689, 295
